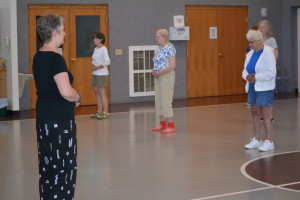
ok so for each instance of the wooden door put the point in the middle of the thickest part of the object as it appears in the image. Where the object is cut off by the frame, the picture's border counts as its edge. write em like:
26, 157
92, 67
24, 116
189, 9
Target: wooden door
214, 65
233, 26
202, 53
80, 66
84, 22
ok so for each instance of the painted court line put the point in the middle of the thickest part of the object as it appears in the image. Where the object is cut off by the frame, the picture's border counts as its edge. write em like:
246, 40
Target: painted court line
243, 171
268, 186
253, 190
234, 193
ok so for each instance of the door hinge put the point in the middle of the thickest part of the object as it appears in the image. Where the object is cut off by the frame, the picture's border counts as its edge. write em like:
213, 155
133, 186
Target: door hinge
106, 19
246, 19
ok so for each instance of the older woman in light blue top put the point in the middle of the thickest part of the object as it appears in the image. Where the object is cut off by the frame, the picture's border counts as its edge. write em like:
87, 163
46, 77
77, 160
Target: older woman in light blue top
164, 79
260, 72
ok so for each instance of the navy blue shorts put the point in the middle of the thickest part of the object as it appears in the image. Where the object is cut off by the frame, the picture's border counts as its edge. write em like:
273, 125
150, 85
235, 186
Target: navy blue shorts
260, 98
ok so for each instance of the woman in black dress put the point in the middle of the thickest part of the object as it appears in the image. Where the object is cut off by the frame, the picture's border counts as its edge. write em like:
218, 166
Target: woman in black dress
55, 122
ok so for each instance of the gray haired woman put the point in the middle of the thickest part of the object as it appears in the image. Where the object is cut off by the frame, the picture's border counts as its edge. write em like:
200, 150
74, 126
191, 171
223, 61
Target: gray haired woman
55, 123
260, 72
265, 27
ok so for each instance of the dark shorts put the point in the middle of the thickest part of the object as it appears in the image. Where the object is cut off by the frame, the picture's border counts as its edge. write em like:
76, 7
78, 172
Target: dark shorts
260, 98
100, 81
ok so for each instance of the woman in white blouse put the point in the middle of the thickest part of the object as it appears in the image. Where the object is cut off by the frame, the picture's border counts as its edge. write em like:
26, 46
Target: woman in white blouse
100, 72
260, 72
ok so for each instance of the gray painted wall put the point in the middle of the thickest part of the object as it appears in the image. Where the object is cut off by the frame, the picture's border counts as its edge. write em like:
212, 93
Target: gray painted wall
134, 22
289, 53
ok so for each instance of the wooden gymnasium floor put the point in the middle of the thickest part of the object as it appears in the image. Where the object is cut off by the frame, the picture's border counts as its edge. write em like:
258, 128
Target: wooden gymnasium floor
121, 159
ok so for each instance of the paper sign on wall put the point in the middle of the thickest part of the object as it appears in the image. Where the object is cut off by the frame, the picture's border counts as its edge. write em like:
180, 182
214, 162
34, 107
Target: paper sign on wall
179, 33
213, 33
178, 20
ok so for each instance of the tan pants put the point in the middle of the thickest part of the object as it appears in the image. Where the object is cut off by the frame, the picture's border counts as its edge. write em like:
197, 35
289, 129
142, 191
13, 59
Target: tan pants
164, 90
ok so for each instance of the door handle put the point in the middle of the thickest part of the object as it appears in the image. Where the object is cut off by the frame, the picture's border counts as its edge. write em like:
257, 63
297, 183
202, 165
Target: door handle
221, 55
73, 59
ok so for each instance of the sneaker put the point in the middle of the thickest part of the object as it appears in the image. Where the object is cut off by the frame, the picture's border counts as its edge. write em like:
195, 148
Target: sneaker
103, 116
168, 130
254, 144
267, 146
95, 115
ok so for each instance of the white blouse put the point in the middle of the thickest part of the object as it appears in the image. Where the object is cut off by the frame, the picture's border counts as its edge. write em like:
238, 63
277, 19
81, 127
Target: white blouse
100, 57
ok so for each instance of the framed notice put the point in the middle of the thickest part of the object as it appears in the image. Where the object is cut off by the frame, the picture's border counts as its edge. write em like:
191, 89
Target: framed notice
213, 33
178, 20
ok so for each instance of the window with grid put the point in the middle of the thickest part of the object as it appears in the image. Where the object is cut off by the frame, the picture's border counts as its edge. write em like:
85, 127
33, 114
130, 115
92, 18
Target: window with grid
141, 82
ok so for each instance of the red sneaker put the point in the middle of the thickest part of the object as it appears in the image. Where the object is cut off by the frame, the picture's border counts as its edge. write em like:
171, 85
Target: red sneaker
168, 130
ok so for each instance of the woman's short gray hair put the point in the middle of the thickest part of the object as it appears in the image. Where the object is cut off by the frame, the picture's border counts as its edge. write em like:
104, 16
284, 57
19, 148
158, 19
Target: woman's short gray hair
253, 34
47, 24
